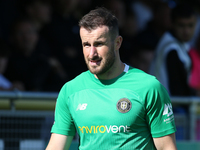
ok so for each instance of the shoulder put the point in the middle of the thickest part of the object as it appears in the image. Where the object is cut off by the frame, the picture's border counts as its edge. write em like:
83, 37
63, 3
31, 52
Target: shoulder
80, 78
140, 75
76, 84
167, 43
146, 85
143, 79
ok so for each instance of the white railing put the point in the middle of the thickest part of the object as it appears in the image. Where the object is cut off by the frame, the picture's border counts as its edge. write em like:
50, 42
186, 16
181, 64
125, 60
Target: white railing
193, 104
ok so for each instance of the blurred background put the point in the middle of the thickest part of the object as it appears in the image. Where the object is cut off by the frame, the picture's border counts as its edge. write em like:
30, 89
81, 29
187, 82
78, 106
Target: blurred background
40, 50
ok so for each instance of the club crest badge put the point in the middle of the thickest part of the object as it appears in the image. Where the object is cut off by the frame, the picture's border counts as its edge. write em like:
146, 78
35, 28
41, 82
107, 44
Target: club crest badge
124, 105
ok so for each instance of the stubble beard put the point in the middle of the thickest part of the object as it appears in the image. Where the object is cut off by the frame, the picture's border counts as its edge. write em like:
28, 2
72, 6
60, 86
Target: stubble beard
105, 64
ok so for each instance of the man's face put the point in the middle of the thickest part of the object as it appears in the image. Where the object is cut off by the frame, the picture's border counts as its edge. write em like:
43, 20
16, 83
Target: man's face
184, 28
98, 49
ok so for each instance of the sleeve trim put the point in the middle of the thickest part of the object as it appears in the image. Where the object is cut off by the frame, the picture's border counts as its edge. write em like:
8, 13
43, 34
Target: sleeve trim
164, 133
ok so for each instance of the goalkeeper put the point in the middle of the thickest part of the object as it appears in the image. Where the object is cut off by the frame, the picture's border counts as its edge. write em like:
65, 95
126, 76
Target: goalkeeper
112, 106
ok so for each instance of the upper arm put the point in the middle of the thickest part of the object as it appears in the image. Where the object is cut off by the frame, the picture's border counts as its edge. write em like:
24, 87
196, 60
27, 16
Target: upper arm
159, 112
167, 142
59, 142
63, 121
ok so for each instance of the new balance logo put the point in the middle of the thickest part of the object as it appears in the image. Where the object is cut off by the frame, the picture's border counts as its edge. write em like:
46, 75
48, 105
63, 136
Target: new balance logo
81, 106
168, 110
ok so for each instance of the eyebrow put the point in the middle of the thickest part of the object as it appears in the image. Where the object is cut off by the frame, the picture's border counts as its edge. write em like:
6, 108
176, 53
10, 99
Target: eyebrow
84, 43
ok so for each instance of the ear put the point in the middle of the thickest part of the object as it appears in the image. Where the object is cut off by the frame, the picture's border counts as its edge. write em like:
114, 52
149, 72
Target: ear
118, 42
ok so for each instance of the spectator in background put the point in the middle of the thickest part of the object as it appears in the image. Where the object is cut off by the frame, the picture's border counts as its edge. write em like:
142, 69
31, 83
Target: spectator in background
38, 11
5, 84
128, 31
142, 53
196, 6
118, 7
194, 80
8, 12
29, 62
63, 33
83, 7
144, 44
158, 25
127, 25
172, 63
143, 12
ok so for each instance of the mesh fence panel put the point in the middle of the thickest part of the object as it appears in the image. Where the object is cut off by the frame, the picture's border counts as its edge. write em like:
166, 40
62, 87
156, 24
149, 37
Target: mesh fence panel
25, 131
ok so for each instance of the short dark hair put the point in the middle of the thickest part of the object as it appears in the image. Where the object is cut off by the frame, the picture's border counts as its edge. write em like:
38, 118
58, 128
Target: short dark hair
99, 17
182, 10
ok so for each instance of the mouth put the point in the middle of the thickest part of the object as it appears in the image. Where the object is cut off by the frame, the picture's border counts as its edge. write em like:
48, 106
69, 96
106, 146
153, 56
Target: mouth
94, 62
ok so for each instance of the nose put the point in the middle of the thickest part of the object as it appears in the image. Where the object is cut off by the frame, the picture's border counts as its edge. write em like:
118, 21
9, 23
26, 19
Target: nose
93, 51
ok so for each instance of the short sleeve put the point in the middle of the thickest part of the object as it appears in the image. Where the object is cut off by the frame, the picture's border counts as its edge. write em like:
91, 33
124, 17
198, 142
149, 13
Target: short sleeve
159, 116
63, 122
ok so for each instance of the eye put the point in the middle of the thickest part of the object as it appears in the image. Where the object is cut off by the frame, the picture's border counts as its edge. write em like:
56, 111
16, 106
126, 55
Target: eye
97, 44
86, 44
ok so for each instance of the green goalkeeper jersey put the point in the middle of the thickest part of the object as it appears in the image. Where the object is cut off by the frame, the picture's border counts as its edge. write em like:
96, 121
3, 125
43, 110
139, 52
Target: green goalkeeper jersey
124, 113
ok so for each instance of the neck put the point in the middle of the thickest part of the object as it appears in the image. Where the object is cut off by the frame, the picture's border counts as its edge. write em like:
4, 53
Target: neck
113, 72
